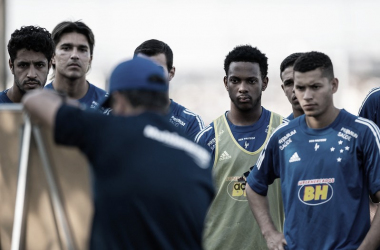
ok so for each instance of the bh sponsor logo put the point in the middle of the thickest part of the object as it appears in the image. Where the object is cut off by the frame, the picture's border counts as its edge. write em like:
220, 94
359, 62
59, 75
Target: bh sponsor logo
236, 189
315, 192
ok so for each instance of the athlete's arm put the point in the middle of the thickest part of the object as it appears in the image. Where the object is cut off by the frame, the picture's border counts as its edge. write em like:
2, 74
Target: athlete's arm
260, 209
372, 239
43, 105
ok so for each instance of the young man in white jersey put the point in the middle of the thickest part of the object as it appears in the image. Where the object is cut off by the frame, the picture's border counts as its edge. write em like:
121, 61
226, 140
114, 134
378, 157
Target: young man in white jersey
235, 140
328, 161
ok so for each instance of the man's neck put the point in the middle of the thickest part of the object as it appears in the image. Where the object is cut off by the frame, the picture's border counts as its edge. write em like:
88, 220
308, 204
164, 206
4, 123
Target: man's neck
240, 118
14, 94
297, 112
75, 88
324, 120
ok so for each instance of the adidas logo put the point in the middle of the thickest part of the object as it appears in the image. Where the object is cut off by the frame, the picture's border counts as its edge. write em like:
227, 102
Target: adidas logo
224, 156
294, 158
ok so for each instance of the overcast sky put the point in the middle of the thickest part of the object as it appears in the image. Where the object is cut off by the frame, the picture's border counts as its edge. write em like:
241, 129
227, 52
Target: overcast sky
201, 33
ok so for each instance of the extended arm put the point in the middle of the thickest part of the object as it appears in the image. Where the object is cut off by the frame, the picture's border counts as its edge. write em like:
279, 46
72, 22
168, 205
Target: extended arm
372, 239
43, 105
260, 209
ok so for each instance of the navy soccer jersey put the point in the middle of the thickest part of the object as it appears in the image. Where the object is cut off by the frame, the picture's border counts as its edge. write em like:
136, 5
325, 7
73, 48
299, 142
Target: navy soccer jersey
249, 137
4, 98
92, 98
370, 108
290, 117
153, 187
326, 178
184, 120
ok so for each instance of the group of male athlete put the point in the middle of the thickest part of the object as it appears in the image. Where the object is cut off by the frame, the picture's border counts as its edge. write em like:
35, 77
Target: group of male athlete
309, 179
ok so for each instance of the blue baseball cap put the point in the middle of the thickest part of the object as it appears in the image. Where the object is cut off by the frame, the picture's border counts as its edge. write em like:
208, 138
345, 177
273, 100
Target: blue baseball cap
138, 73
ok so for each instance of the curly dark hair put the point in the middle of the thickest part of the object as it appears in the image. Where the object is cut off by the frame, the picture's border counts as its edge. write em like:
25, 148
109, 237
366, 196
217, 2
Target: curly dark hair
31, 38
247, 53
154, 47
289, 61
313, 60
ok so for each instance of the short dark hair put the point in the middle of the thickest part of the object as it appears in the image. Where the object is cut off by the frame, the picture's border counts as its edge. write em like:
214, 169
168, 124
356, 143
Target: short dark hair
77, 26
154, 47
289, 61
313, 60
150, 100
247, 53
31, 38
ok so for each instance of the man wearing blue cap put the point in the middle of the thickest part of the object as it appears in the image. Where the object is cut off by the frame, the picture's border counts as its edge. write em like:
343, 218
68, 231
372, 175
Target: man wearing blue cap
153, 186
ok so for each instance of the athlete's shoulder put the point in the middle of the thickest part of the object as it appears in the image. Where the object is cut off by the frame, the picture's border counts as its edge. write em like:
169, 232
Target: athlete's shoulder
179, 110
370, 102
366, 124
98, 91
157, 128
276, 116
183, 117
4, 98
205, 133
285, 127
206, 137
373, 93
49, 86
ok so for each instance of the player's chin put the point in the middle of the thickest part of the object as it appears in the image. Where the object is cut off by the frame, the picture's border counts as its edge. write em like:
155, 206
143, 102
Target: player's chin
245, 108
32, 88
311, 113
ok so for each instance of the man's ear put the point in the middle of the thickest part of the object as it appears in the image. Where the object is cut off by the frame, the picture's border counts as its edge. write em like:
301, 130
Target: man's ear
171, 73
265, 83
11, 66
89, 65
334, 85
225, 79
52, 61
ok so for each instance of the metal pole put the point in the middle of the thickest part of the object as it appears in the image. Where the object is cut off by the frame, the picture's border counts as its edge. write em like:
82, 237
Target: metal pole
59, 212
18, 224
3, 61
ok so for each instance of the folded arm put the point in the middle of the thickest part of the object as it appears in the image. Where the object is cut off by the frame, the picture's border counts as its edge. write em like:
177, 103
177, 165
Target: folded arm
42, 105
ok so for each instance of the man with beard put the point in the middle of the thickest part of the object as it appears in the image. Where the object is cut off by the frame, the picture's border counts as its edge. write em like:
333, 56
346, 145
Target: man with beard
241, 135
286, 74
30, 50
74, 48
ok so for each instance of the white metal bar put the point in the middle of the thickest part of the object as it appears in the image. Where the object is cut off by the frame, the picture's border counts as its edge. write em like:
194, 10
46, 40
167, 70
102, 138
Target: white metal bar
59, 211
11, 106
18, 222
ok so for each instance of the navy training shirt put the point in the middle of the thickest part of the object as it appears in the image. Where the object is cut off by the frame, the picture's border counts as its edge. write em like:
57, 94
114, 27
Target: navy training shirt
4, 98
153, 187
92, 98
370, 108
185, 120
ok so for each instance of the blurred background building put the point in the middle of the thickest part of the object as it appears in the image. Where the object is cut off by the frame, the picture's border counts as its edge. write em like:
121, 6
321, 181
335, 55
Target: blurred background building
201, 33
